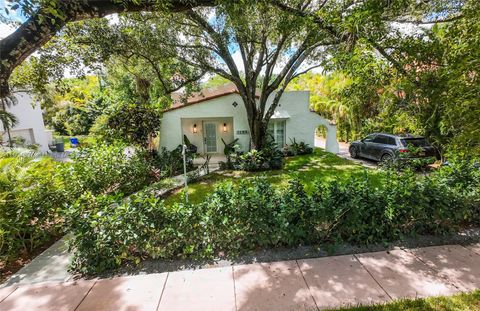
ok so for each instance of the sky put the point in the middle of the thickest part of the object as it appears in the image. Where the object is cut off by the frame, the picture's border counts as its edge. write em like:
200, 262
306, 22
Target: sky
6, 29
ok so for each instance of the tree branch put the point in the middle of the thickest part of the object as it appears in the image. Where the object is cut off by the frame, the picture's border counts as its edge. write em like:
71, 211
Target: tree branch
423, 22
305, 71
388, 57
288, 77
224, 53
43, 25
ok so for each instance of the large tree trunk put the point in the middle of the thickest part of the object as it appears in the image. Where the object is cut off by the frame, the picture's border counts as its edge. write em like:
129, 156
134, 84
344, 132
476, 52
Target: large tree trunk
258, 115
43, 25
255, 116
258, 134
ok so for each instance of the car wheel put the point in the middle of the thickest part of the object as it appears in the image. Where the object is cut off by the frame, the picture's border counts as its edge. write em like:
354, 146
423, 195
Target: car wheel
386, 158
353, 152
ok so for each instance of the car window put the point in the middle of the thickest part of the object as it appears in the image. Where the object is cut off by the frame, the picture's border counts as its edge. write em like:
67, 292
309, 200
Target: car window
380, 139
391, 141
416, 142
386, 140
370, 137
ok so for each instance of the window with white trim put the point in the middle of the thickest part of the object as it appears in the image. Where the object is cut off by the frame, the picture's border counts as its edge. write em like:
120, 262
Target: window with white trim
276, 129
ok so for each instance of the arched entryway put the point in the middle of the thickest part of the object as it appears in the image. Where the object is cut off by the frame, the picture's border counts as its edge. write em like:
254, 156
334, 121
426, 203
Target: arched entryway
326, 136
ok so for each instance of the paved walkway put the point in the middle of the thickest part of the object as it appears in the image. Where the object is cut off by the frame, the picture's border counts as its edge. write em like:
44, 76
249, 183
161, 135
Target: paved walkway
51, 265
308, 284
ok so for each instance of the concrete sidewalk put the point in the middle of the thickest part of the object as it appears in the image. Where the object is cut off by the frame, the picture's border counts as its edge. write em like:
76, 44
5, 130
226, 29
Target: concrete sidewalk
49, 266
308, 284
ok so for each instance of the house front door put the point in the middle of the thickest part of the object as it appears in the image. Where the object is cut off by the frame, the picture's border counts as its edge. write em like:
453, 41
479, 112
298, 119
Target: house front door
210, 137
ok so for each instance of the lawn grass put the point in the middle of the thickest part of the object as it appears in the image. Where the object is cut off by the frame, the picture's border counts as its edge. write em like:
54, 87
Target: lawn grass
463, 301
309, 168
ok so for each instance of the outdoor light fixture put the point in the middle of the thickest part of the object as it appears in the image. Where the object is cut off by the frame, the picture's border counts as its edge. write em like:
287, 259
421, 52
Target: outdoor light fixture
224, 127
195, 128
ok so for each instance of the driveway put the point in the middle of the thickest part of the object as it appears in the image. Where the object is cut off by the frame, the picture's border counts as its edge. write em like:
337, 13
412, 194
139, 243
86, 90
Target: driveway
343, 153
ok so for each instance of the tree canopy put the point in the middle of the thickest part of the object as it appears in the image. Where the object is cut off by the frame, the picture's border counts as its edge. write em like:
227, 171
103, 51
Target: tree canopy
177, 50
396, 58
431, 90
346, 19
46, 17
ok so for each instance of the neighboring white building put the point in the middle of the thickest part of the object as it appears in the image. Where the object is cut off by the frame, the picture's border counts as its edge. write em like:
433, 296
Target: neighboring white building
30, 122
215, 114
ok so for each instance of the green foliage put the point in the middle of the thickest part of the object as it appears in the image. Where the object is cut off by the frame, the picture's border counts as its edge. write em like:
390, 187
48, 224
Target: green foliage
70, 120
229, 148
109, 230
8, 120
295, 148
170, 163
462, 301
404, 205
72, 106
32, 196
269, 158
133, 123
32, 74
459, 96
103, 169
215, 81
250, 214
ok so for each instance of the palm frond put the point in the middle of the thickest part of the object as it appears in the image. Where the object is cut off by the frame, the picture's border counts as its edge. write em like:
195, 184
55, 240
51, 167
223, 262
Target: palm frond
8, 119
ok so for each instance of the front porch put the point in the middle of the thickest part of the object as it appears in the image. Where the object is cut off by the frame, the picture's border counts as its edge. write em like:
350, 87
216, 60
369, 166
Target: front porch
209, 135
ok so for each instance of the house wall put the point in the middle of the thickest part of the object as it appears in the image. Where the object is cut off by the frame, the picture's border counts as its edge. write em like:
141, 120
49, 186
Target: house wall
30, 121
301, 125
219, 108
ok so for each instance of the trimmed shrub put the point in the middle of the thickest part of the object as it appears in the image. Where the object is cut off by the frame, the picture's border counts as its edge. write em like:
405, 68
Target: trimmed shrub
32, 196
253, 214
109, 230
103, 169
269, 158
297, 148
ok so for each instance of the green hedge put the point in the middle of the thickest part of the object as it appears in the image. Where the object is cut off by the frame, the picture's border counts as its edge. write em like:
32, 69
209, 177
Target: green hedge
114, 168
34, 192
253, 214
32, 196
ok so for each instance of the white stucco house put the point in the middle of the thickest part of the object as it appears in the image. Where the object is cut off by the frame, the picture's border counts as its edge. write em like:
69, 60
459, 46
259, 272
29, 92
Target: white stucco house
30, 122
219, 113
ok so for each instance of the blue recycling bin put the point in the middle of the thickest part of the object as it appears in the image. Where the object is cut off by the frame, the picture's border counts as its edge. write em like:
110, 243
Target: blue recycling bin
74, 142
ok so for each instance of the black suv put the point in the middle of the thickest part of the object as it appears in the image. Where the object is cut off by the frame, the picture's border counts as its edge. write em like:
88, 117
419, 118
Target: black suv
384, 147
